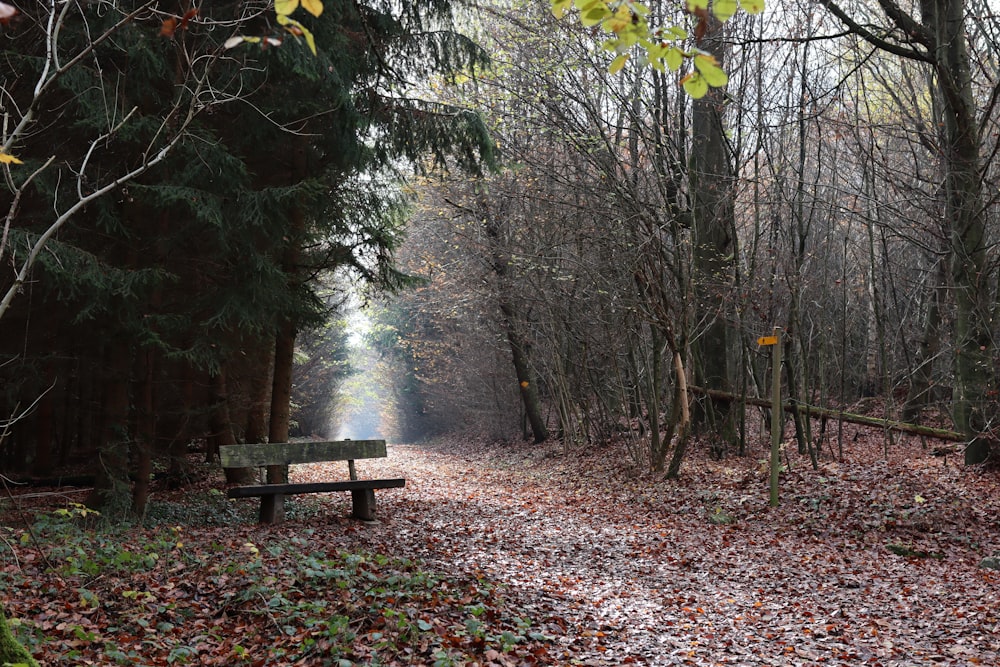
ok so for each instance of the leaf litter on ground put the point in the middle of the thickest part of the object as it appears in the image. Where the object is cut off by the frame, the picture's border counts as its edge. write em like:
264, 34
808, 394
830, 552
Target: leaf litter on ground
516, 554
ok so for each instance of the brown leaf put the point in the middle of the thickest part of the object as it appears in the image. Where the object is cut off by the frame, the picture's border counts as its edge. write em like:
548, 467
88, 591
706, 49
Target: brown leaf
169, 27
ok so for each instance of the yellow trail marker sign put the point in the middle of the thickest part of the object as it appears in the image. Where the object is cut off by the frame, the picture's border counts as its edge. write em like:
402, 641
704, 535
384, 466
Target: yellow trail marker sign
767, 340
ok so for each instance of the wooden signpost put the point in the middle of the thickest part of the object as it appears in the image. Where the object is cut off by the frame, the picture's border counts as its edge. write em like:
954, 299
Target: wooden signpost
774, 341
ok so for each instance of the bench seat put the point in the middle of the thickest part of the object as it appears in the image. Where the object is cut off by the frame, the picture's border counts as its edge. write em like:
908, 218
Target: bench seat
314, 487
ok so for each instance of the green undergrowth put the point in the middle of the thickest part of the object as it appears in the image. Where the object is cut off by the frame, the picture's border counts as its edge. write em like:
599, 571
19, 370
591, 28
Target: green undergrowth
174, 595
208, 507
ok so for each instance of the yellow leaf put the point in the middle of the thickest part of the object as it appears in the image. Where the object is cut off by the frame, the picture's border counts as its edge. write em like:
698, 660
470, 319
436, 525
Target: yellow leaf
694, 85
297, 29
617, 64
752, 6
285, 7
724, 9
314, 7
310, 40
708, 66
693, 5
618, 21
706, 59
7, 158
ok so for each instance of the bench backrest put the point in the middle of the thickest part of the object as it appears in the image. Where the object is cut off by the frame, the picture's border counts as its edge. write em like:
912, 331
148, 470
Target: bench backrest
285, 453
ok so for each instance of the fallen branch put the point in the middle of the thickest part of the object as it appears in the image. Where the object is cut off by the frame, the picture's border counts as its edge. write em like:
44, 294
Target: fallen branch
813, 411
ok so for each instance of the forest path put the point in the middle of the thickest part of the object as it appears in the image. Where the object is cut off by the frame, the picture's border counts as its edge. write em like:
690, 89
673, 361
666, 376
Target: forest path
621, 569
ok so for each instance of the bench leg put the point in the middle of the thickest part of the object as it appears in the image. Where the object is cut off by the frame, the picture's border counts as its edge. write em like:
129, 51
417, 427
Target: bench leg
272, 509
363, 501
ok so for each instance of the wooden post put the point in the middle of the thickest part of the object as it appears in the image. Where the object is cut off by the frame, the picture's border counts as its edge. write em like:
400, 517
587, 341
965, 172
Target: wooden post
363, 504
776, 413
351, 471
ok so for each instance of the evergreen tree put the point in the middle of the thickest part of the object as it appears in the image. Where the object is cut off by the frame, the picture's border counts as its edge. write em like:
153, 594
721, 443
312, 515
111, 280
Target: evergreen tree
210, 257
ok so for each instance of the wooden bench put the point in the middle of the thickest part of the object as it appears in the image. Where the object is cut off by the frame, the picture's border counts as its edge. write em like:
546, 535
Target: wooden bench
283, 454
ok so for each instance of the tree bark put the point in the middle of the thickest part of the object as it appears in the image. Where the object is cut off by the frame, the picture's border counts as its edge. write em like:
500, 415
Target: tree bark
272, 508
964, 209
222, 429
711, 177
522, 370
111, 475
145, 432
518, 348
922, 377
684, 421
256, 427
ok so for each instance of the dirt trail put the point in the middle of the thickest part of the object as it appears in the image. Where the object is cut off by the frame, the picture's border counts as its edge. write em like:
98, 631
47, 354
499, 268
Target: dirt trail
622, 571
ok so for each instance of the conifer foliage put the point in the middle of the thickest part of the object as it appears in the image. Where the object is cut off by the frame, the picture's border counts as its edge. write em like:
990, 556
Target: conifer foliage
174, 198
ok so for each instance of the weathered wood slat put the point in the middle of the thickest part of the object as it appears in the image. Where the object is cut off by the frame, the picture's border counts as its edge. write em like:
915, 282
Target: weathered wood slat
256, 455
314, 487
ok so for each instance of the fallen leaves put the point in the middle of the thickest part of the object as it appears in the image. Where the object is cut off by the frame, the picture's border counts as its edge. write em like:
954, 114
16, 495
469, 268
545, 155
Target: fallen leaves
243, 595
521, 555
632, 567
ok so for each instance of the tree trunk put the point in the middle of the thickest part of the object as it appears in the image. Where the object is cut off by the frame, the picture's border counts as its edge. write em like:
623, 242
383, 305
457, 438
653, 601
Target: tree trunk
518, 348
256, 426
922, 377
272, 508
111, 492
711, 177
683, 428
182, 433
522, 370
964, 208
145, 432
886, 424
42, 463
222, 429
